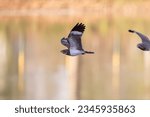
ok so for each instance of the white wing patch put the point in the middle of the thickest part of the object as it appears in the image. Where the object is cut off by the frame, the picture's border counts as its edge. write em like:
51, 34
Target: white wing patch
76, 33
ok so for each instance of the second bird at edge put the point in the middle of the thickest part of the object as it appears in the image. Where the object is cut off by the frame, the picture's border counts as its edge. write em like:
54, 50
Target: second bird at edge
145, 45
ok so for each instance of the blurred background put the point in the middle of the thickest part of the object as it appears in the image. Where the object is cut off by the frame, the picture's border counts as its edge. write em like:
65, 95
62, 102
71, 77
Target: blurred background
32, 67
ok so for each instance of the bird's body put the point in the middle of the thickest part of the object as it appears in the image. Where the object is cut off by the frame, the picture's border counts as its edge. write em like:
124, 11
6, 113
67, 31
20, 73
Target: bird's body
73, 41
75, 52
145, 45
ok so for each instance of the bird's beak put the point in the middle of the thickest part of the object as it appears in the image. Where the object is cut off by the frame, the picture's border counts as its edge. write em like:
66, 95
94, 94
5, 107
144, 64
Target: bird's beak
61, 51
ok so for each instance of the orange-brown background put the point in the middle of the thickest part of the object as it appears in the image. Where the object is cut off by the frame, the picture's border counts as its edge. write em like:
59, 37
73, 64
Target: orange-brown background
32, 67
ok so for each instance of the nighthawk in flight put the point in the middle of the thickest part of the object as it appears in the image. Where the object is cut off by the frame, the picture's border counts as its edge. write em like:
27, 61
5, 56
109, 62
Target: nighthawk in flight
73, 41
145, 45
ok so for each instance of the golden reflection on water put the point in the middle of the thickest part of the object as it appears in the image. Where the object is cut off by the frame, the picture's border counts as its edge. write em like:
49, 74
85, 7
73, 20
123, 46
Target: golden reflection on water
147, 73
116, 73
73, 69
21, 71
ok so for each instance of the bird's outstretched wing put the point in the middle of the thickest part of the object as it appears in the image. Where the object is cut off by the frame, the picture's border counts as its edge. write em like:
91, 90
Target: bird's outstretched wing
75, 35
143, 37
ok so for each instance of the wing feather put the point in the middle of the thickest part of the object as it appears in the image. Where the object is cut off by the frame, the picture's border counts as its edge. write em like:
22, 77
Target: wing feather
75, 35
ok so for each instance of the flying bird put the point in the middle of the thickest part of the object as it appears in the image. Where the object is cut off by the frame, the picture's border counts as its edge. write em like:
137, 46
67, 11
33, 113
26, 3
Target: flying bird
145, 45
73, 41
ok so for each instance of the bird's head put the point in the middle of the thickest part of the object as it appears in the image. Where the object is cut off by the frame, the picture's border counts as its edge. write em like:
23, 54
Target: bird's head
63, 38
66, 52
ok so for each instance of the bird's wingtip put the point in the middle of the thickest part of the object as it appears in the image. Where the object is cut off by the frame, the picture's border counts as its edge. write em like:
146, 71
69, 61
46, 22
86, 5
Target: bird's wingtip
132, 31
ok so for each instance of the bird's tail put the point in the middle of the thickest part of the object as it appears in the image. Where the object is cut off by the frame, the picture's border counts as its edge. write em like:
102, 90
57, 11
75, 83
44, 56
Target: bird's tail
88, 52
132, 31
